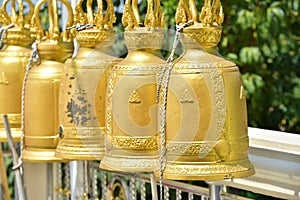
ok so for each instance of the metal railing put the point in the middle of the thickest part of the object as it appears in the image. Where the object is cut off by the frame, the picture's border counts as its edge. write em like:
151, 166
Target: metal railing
275, 155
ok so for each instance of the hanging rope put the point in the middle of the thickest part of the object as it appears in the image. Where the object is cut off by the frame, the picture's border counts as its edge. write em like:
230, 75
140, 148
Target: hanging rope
34, 59
164, 82
3, 33
81, 27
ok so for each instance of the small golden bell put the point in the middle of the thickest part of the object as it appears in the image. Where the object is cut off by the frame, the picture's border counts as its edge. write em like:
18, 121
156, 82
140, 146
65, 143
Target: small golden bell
131, 116
41, 126
83, 87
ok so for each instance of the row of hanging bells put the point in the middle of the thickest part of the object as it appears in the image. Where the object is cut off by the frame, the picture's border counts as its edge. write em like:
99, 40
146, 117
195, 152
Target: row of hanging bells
97, 105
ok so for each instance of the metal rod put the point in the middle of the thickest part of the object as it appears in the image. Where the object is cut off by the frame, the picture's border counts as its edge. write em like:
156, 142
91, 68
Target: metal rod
153, 187
4, 175
17, 165
50, 181
104, 184
88, 179
214, 192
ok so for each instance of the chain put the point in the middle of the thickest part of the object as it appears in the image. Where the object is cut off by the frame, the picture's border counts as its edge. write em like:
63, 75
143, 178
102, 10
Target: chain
95, 182
166, 193
178, 194
67, 181
164, 82
3, 33
58, 188
133, 187
143, 190
104, 184
191, 196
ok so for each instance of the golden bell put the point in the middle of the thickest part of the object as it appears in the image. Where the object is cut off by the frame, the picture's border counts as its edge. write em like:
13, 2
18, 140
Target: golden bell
14, 56
83, 88
131, 115
41, 126
206, 117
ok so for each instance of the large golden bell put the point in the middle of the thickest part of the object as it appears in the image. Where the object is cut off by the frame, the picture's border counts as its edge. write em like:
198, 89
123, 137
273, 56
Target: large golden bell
83, 89
41, 127
131, 116
14, 56
206, 122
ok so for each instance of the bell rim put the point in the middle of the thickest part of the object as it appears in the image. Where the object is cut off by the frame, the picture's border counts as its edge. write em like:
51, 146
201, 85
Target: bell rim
45, 156
106, 163
197, 172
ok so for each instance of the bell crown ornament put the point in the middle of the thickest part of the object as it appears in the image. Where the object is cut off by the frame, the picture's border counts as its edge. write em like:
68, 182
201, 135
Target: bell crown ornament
96, 27
207, 28
143, 35
54, 44
18, 33
154, 16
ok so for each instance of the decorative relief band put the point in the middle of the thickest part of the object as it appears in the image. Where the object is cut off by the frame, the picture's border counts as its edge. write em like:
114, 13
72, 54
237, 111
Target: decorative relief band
223, 66
83, 132
13, 119
72, 148
135, 143
119, 69
91, 63
121, 162
186, 169
205, 36
197, 148
190, 148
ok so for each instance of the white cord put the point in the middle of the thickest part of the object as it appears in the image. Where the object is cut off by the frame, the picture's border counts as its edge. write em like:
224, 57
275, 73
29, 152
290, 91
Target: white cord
163, 85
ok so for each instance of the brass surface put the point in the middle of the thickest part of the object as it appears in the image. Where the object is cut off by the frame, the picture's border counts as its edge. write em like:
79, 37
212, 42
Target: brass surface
82, 105
41, 125
206, 122
14, 56
131, 110
41, 133
19, 35
83, 86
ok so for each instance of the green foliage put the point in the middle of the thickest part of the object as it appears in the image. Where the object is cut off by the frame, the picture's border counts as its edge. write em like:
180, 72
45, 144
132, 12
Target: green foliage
262, 37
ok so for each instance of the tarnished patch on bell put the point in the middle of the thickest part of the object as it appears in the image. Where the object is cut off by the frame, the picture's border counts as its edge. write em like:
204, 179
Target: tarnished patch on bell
41, 99
206, 118
83, 85
131, 116
14, 55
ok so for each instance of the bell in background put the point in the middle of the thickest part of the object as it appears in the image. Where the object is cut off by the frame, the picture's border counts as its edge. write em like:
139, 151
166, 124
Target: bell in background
41, 127
83, 86
14, 56
206, 116
131, 115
